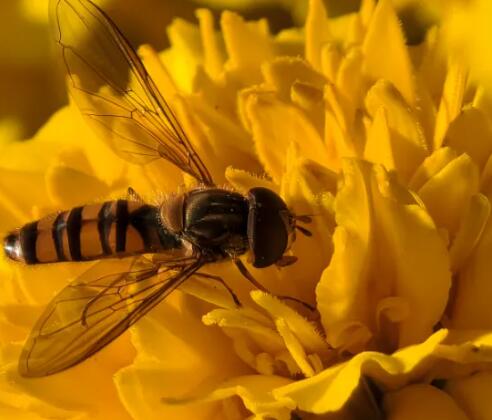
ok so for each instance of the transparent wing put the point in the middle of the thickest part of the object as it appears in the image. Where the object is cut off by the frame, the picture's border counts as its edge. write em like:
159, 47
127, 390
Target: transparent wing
113, 90
95, 309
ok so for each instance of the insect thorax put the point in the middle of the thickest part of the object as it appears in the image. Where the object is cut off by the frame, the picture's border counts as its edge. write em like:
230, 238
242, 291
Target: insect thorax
214, 220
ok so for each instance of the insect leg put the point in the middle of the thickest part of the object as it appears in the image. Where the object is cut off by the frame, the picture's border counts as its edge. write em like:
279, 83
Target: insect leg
221, 281
244, 271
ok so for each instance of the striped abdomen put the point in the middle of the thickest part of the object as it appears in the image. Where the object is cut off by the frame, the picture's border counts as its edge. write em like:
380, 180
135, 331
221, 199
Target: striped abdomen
112, 229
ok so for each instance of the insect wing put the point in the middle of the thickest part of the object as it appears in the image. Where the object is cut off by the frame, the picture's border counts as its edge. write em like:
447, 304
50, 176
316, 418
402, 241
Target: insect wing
114, 91
94, 310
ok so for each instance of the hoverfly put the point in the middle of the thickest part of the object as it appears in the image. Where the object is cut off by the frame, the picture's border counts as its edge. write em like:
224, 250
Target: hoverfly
201, 226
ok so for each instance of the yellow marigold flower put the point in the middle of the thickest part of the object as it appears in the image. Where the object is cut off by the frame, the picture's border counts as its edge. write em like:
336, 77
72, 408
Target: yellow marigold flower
386, 145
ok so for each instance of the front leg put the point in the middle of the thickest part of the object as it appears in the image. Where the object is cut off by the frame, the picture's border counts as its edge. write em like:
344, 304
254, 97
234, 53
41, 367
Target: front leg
221, 281
244, 271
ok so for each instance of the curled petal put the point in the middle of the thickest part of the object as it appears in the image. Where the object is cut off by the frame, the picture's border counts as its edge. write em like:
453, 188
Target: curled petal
444, 354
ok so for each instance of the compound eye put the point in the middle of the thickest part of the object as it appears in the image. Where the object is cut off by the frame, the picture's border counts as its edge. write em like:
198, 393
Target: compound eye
268, 226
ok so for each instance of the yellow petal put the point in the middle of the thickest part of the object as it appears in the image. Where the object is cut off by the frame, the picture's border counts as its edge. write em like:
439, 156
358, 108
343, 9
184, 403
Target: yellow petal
483, 101
336, 289
355, 30
317, 30
295, 348
394, 309
451, 100
64, 129
421, 277
330, 60
407, 138
378, 147
185, 55
378, 223
471, 303
471, 228
218, 94
214, 54
265, 337
256, 393
143, 386
17, 206
349, 83
302, 186
173, 343
304, 330
486, 177
290, 42
29, 156
366, 10
152, 180
283, 72
339, 135
18, 405
472, 394
157, 70
248, 45
433, 67
10, 130
447, 194
68, 187
14, 322
310, 99
389, 59
206, 290
431, 166
175, 335
426, 112
87, 388
423, 402
471, 133
226, 141
273, 140
243, 100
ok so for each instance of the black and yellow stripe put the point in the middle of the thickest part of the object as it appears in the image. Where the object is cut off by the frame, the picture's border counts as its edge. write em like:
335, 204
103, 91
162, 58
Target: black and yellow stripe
111, 229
